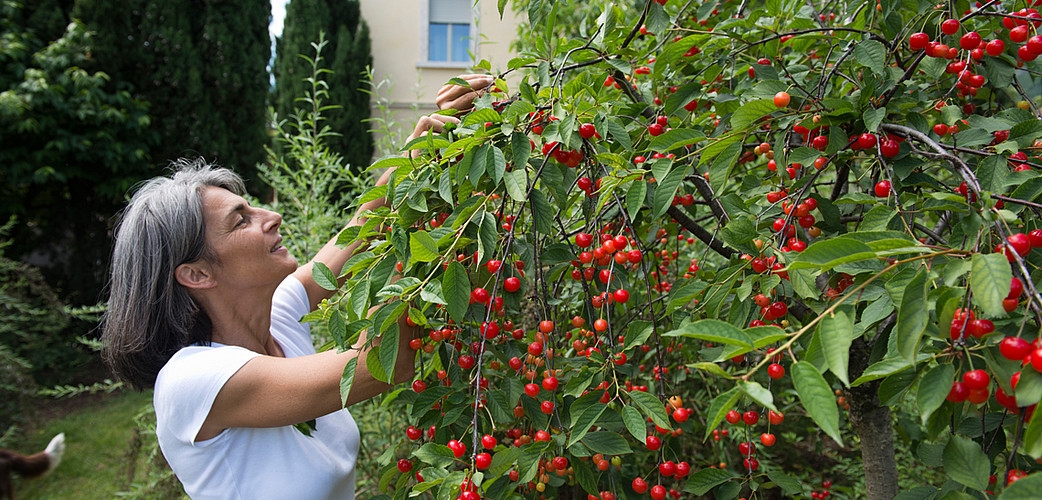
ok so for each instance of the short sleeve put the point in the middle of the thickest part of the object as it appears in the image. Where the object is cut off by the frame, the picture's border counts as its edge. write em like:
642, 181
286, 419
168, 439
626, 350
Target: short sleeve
188, 385
288, 305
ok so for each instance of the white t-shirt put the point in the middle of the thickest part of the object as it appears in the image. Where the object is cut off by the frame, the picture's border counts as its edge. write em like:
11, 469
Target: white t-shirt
251, 463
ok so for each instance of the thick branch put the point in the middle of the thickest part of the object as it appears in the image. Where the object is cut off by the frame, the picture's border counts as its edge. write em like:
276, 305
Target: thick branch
700, 232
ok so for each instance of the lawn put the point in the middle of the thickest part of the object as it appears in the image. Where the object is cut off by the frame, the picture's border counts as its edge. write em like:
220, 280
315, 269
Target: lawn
98, 433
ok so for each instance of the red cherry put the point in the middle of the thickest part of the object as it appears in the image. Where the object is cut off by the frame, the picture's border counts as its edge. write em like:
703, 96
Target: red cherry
466, 361
781, 99
658, 492
653, 443
413, 433
640, 485
621, 296
776, 418
779, 309
950, 26
532, 390
550, 383
547, 407
479, 296
733, 416
918, 41
976, 379
958, 393
404, 466
866, 141
1016, 288
512, 284
655, 129
889, 148
458, 448
750, 417
483, 460
882, 189
980, 327
775, 371
970, 40
767, 439
587, 130
995, 47
1020, 243
488, 441
1015, 348
419, 386
667, 468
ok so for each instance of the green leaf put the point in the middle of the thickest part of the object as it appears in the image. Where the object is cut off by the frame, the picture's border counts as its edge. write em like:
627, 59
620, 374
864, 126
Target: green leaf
667, 188
346, 379
635, 197
516, 183
789, 485
990, 279
1033, 437
883, 368
1029, 388
618, 132
542, 214
758, 393
992, 171
712, 368
608, 443
520, 150
817, 398
966, 463
435, 455
872, 55
873, 117
675, 139
635, 423
583, 419
912, 316
826, 254
719, 407
836, 332
456, 286
933, 389
716, 331
652, 407
583, 475
422, 247
1023, 489
323, 276
804, 156
720, 170
751, 112
706, 479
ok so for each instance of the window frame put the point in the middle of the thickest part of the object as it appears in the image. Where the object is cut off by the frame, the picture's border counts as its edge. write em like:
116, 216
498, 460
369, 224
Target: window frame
472, 45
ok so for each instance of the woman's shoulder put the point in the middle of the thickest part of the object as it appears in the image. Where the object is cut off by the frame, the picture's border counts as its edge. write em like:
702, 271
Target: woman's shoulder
197, 364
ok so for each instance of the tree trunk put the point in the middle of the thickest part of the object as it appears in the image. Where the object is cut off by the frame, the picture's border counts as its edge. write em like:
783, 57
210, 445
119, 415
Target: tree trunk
874, 429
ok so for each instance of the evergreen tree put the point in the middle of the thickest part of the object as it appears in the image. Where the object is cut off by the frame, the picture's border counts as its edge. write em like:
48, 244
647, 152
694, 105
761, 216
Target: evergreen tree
201, 66
349, 51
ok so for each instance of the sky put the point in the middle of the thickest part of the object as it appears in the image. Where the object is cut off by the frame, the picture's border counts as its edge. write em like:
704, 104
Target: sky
278, 13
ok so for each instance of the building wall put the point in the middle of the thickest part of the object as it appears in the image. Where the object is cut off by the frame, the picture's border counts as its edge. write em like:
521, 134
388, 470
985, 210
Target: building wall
406, 83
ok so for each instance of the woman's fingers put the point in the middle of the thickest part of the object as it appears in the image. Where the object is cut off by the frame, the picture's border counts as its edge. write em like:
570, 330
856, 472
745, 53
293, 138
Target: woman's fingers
462, 98
432, 123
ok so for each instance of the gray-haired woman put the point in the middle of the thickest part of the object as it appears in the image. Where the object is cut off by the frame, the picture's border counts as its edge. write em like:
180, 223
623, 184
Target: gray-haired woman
205, 306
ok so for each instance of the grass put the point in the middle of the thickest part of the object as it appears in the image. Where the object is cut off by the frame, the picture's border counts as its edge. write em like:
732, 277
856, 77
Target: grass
98, 432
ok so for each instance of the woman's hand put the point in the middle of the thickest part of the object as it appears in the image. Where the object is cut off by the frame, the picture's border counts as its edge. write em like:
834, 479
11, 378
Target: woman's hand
432, 123
462, 98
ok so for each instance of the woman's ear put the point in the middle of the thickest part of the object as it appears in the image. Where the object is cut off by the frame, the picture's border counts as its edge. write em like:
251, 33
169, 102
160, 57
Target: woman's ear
194, 275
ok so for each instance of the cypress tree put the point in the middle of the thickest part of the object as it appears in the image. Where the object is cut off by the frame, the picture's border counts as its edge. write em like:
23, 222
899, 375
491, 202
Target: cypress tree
201, 66
349, 52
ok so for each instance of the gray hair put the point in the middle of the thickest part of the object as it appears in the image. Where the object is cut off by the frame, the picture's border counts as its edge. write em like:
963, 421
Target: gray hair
150, 315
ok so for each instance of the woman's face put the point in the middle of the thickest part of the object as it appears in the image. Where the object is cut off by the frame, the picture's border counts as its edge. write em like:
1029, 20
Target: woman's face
246, 241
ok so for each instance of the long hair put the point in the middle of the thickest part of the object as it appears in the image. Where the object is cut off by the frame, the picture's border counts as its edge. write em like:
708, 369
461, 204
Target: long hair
150, 315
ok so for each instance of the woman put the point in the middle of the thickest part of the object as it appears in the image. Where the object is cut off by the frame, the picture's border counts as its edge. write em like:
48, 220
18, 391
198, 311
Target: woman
205, 306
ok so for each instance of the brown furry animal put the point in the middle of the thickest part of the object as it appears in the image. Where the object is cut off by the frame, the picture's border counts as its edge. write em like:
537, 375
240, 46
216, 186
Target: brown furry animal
29, 466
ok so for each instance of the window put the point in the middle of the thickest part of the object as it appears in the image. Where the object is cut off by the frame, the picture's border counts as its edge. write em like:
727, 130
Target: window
449, 36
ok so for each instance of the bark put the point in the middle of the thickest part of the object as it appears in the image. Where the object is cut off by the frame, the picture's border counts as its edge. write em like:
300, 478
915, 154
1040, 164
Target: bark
872, 423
